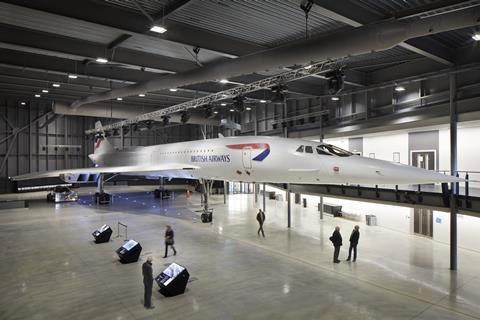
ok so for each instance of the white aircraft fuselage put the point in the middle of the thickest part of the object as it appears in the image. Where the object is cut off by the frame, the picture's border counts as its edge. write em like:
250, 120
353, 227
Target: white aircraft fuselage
265, 159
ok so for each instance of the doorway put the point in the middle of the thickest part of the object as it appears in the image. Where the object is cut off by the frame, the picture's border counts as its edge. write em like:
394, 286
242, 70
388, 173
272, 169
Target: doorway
425, 159
423, 222
247, 158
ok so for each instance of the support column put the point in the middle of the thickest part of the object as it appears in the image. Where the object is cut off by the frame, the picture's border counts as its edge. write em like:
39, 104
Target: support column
264, 197
321, 207
289, 207
255, 191
453, 172
224, 191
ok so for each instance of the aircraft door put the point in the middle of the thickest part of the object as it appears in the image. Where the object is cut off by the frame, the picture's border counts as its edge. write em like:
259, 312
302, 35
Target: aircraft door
247, 158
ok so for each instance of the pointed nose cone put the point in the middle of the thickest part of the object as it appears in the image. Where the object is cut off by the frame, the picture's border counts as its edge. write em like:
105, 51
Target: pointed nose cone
396, 173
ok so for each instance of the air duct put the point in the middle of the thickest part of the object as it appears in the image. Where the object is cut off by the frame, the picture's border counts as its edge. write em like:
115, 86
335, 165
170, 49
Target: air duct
364, 39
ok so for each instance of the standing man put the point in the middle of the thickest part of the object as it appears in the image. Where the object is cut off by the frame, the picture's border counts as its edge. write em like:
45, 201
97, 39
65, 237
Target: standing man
336, 239
261, 220
147, 283
169, 241
353, 243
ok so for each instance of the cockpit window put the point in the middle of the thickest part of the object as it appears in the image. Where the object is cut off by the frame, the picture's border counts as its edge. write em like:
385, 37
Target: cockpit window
308, 149
300, 149
322, 152
333, 150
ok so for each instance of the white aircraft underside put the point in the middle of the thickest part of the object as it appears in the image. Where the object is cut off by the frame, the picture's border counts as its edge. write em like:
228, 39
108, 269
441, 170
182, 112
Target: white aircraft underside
249, 159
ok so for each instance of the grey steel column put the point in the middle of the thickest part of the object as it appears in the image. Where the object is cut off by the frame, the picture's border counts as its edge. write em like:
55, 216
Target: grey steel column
255, 191
289, 207
264, 197
453, 172
224, 191
321, 207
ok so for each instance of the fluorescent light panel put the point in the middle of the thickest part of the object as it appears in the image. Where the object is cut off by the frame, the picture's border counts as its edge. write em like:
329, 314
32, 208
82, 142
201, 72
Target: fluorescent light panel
141, 95
335, 98
476, 37
399, 88
263, 101
101, 60
119, 99
173, 89
45, 91
56, 85
37, 96
223, 81
158, 29
72, 76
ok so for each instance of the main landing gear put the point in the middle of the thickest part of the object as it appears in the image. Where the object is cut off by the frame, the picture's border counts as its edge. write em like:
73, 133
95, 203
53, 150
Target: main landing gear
101, 197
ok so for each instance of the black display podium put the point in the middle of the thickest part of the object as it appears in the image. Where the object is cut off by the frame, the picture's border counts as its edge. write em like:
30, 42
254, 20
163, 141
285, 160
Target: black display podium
102, 234
173, 280
129, 252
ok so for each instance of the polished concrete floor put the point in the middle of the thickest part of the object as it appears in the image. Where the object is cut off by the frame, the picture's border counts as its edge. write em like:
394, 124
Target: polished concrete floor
51, 269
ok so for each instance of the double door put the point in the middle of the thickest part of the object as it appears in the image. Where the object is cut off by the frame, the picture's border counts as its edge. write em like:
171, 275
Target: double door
423, 222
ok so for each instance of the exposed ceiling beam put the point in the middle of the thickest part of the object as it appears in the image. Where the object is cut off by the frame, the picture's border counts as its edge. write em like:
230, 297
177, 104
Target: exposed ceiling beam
90, 50
170, 8
355, 16
115, 43
124, 20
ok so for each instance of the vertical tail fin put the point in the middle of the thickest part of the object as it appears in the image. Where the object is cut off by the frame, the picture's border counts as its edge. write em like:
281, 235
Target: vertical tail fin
102, 145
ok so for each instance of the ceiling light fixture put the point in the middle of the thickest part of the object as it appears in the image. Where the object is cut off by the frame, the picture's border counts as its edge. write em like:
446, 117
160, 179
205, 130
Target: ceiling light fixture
399, 88
56, 85
141, 95
307, 67
476, 37
232, 110
215, 112
223, 104
335, 98
263, 101
37, 96
119, 99
22, 103
72, 76
248, 108
45, 91
173, 89
223, 81
101, 60
158, 29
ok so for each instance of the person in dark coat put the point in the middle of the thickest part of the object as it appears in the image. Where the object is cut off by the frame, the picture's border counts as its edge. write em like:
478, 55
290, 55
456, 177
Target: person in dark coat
353, 243
336, 239
261, 220
147, 283
169, 241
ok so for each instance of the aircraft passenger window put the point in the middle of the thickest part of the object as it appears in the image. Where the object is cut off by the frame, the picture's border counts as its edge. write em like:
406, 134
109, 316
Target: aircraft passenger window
308, 149
300, 149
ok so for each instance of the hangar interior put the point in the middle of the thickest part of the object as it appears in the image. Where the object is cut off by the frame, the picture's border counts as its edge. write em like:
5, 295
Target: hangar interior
414, 101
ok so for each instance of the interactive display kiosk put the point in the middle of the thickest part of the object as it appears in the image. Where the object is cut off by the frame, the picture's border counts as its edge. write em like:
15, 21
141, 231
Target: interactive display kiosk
102, 234
173, 280
129, 252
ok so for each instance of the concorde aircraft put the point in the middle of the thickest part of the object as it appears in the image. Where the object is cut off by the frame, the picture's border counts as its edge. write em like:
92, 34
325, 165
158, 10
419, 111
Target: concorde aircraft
248, 159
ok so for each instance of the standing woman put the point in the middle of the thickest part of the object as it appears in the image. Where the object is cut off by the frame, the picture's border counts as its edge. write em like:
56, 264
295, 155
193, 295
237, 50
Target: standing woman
169, 240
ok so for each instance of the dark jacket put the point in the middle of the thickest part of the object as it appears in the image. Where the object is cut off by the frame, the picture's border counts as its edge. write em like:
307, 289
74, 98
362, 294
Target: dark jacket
169, 237
336, 238
261, 217
354, 237
147, 273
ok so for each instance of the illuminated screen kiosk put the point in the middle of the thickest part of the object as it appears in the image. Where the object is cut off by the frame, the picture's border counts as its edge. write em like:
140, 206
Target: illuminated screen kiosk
102, 234
129, 252
173, 280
